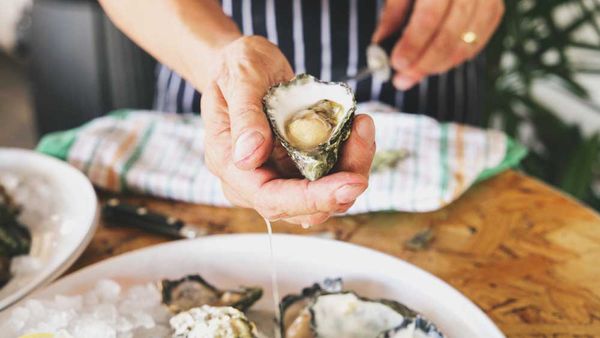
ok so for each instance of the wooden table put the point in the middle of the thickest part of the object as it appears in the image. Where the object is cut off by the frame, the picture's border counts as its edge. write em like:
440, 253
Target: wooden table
528, 255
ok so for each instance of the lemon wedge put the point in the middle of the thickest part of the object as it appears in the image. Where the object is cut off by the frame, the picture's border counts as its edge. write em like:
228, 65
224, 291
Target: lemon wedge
38, 335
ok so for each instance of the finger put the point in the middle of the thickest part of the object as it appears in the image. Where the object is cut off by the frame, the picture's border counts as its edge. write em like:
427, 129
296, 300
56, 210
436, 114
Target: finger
309, 220
217, 133
250, 131
406, 79
295, 197
424, 22
447, 40
344, 207
392, 16
234, 196
214, 112
357, 152
486, 19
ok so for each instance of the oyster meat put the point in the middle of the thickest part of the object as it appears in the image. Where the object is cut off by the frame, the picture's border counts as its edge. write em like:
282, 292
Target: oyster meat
311, 119
327, 311
214, 322
193, 291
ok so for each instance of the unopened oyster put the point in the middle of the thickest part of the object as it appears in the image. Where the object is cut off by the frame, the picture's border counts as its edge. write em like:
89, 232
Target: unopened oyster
329, 312
193, 291
311, 118
211, 321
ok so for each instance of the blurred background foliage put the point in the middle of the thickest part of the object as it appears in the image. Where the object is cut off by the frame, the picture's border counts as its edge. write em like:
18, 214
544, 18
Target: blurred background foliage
532, 44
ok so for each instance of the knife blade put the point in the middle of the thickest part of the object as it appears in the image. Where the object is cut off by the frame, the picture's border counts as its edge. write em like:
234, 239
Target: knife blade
119, 214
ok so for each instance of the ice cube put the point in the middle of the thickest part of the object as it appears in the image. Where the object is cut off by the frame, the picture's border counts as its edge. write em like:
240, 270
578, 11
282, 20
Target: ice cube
62, 334
68, 303
92, 328
25, 265
108, 290
19, 317
123, 325
106, 313
142, 319
155, 332
36, 309
55, 320
144, 295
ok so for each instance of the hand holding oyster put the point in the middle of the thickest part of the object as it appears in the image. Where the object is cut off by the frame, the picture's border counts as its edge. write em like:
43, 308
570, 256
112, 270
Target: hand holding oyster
239, 138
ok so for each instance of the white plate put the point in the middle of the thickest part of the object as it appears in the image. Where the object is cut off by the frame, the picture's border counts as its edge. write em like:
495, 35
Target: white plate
74, 202
234, 260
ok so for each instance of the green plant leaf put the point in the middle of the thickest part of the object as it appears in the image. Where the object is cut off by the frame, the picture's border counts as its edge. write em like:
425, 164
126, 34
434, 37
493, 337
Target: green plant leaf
578, 175
560, 154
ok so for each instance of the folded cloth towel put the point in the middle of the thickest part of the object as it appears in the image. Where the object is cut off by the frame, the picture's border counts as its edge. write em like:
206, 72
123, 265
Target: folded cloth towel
421, 165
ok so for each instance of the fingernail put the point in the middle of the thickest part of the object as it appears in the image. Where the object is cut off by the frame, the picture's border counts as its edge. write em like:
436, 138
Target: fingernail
246, 145
348, 193
403, 82
366, 130
343, 208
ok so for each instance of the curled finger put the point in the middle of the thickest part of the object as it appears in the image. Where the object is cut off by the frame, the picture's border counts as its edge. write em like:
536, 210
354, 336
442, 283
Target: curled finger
425, 21
391, 19
485, 21
295, 197
447, 39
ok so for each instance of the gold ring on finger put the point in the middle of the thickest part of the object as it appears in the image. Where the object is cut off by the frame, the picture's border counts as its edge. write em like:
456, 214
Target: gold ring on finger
469, 37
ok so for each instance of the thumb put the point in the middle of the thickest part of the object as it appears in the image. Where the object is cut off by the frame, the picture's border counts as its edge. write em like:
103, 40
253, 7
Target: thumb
251, 136
391, 18
358, 151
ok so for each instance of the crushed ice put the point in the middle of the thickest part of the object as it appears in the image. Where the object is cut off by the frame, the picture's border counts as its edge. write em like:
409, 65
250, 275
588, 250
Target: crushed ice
106, 311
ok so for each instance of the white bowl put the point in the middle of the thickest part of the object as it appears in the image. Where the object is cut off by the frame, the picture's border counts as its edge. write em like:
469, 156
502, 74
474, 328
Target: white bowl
234, 260
58, 245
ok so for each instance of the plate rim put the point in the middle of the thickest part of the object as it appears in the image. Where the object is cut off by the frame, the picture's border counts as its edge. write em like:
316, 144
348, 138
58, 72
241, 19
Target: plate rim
42, 280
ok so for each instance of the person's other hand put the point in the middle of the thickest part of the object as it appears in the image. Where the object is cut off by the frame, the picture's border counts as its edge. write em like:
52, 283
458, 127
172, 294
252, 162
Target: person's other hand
239, 142
433, 40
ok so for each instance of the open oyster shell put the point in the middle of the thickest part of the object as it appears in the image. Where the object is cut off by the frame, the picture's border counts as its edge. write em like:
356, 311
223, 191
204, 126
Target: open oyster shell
326, 311
193, 291
311, 118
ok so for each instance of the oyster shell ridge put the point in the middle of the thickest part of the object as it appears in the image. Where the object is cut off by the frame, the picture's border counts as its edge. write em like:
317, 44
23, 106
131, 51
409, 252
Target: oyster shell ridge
249, 294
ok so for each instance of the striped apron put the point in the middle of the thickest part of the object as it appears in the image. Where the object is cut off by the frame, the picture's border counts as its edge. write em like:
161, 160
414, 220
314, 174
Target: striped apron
328, 39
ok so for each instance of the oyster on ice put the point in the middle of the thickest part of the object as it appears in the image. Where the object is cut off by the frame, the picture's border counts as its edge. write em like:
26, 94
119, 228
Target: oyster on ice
193, 291
328, 311
311, 119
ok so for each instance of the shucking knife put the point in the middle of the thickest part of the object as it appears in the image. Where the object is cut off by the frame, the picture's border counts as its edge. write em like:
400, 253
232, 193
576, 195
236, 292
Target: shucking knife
118, 214
378, 55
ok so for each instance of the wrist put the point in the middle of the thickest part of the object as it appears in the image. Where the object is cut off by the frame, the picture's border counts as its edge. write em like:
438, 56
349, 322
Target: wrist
225, 40
203, 59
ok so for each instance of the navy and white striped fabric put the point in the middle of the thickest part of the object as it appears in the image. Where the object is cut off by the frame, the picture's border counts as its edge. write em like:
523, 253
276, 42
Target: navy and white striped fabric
328, 39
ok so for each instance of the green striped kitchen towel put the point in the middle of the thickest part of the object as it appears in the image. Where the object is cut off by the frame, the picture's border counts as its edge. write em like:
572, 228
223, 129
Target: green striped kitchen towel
422, 165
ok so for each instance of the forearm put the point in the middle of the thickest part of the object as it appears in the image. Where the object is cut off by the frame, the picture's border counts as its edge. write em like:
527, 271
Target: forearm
185, 35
